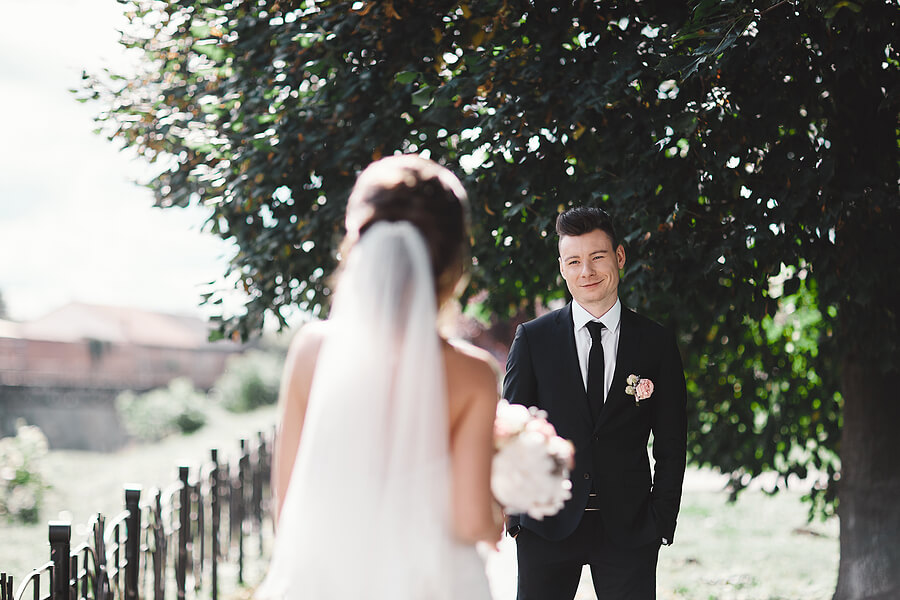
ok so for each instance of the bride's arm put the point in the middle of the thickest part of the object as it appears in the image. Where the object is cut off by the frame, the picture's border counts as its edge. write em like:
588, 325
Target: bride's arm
475, 514
293, 395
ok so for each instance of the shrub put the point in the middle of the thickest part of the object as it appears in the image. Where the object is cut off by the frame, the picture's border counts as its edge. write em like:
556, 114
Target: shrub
21, 480
178, 408
250, 380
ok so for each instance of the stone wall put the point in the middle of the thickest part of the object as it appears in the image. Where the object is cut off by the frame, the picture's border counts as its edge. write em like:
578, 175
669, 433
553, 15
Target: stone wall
71, 417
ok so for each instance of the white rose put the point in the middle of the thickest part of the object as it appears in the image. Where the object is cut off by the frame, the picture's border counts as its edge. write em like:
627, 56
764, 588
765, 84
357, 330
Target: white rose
21, 499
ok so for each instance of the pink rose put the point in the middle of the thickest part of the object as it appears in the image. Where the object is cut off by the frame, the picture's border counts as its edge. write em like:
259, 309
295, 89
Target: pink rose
643, 389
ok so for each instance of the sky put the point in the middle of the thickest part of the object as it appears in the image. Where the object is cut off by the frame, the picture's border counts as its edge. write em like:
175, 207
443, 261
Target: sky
74, 224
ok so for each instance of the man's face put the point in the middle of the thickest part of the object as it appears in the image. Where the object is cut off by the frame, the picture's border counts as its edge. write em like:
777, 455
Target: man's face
590, 265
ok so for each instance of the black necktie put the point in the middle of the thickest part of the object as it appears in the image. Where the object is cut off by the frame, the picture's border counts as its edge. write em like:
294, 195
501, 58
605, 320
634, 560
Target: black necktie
595, 370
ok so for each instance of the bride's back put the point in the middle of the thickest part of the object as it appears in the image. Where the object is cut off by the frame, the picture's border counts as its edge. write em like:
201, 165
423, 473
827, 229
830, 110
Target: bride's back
471, 400
472, 403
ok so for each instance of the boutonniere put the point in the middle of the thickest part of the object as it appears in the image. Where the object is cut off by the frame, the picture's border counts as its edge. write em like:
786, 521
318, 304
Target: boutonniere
639, 387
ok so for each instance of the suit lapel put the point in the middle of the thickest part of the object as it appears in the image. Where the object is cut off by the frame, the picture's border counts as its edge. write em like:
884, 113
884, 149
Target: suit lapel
571, 371
626, 358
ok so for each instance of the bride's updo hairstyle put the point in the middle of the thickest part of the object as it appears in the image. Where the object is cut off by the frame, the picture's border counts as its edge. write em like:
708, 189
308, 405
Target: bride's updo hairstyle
418, 190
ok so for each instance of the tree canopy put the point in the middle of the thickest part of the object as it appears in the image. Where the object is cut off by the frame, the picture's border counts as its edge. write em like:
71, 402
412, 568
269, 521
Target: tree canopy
747, 149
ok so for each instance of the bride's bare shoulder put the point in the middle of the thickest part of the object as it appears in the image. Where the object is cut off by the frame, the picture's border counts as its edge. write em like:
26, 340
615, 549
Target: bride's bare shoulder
306, 342
466, 362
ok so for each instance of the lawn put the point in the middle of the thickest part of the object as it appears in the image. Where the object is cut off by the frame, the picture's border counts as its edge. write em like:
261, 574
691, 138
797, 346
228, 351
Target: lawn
759, 548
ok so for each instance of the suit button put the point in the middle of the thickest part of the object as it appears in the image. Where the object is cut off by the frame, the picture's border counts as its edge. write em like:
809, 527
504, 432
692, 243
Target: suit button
587, 475
597, 438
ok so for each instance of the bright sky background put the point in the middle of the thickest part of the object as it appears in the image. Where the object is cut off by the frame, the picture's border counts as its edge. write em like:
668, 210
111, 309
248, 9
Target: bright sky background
73, 224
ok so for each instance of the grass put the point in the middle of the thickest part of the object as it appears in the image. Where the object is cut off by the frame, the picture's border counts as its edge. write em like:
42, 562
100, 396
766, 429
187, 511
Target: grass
759, 548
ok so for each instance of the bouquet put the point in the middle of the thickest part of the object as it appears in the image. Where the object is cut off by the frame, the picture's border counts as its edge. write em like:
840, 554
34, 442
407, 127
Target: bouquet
531, 465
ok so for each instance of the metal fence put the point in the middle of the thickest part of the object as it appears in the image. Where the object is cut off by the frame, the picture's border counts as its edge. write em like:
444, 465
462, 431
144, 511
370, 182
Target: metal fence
168, 543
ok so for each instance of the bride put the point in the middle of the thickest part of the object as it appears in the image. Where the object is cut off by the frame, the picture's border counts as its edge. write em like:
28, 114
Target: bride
383, 454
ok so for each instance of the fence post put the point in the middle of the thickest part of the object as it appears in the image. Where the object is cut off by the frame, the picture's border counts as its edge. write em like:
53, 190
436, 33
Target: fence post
101, 584
258, 482
160, 549
184, 524
60, 538
132, 540
73, 574
6, 586
199, 557
216, 515
243, 463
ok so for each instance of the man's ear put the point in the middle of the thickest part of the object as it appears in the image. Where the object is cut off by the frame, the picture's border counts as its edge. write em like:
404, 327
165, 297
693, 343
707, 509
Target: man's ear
620, 256
559, 260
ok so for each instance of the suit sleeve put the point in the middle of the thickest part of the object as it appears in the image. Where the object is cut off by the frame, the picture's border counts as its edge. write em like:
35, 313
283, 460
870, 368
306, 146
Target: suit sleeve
519, 385
669, 426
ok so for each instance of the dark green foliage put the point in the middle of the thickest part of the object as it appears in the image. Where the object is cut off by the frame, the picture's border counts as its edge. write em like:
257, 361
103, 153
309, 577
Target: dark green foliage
748, 150
795, 157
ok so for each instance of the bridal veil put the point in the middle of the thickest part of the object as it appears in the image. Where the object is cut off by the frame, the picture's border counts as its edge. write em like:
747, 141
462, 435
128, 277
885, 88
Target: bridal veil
367, 514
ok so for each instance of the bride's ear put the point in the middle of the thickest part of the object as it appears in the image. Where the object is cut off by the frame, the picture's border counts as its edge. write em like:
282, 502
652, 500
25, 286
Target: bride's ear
357, 216
452, 282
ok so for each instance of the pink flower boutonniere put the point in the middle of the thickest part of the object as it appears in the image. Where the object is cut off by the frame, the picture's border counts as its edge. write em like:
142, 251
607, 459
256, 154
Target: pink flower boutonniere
639, 387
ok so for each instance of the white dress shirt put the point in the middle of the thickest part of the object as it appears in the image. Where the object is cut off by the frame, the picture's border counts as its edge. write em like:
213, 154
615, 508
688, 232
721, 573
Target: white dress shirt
609, 338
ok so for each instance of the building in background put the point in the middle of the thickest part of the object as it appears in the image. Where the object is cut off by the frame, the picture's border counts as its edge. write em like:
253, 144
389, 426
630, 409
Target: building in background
62, 372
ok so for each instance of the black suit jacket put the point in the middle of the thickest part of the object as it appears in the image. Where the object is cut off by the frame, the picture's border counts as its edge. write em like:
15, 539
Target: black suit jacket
542, 370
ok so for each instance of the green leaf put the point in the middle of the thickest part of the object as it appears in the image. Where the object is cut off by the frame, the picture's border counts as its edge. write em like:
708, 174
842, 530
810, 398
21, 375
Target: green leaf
422, 96
406, 77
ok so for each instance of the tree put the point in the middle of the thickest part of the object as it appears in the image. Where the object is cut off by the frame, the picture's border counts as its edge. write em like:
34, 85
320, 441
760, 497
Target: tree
748, 150
3, 313
808, 134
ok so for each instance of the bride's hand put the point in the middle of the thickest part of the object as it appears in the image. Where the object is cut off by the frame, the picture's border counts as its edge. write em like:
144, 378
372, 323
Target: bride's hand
499, 522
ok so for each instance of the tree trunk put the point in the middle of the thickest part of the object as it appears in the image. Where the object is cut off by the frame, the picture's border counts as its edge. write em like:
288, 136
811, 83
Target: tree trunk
869, 490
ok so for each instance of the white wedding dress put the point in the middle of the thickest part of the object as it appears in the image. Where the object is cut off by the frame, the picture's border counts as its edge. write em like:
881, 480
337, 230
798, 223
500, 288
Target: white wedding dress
367, 512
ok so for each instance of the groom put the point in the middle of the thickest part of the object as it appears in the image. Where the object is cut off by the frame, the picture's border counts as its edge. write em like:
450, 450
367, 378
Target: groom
575, 363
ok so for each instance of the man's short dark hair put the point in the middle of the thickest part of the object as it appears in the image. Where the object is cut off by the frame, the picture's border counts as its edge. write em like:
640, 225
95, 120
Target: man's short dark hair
585, 219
